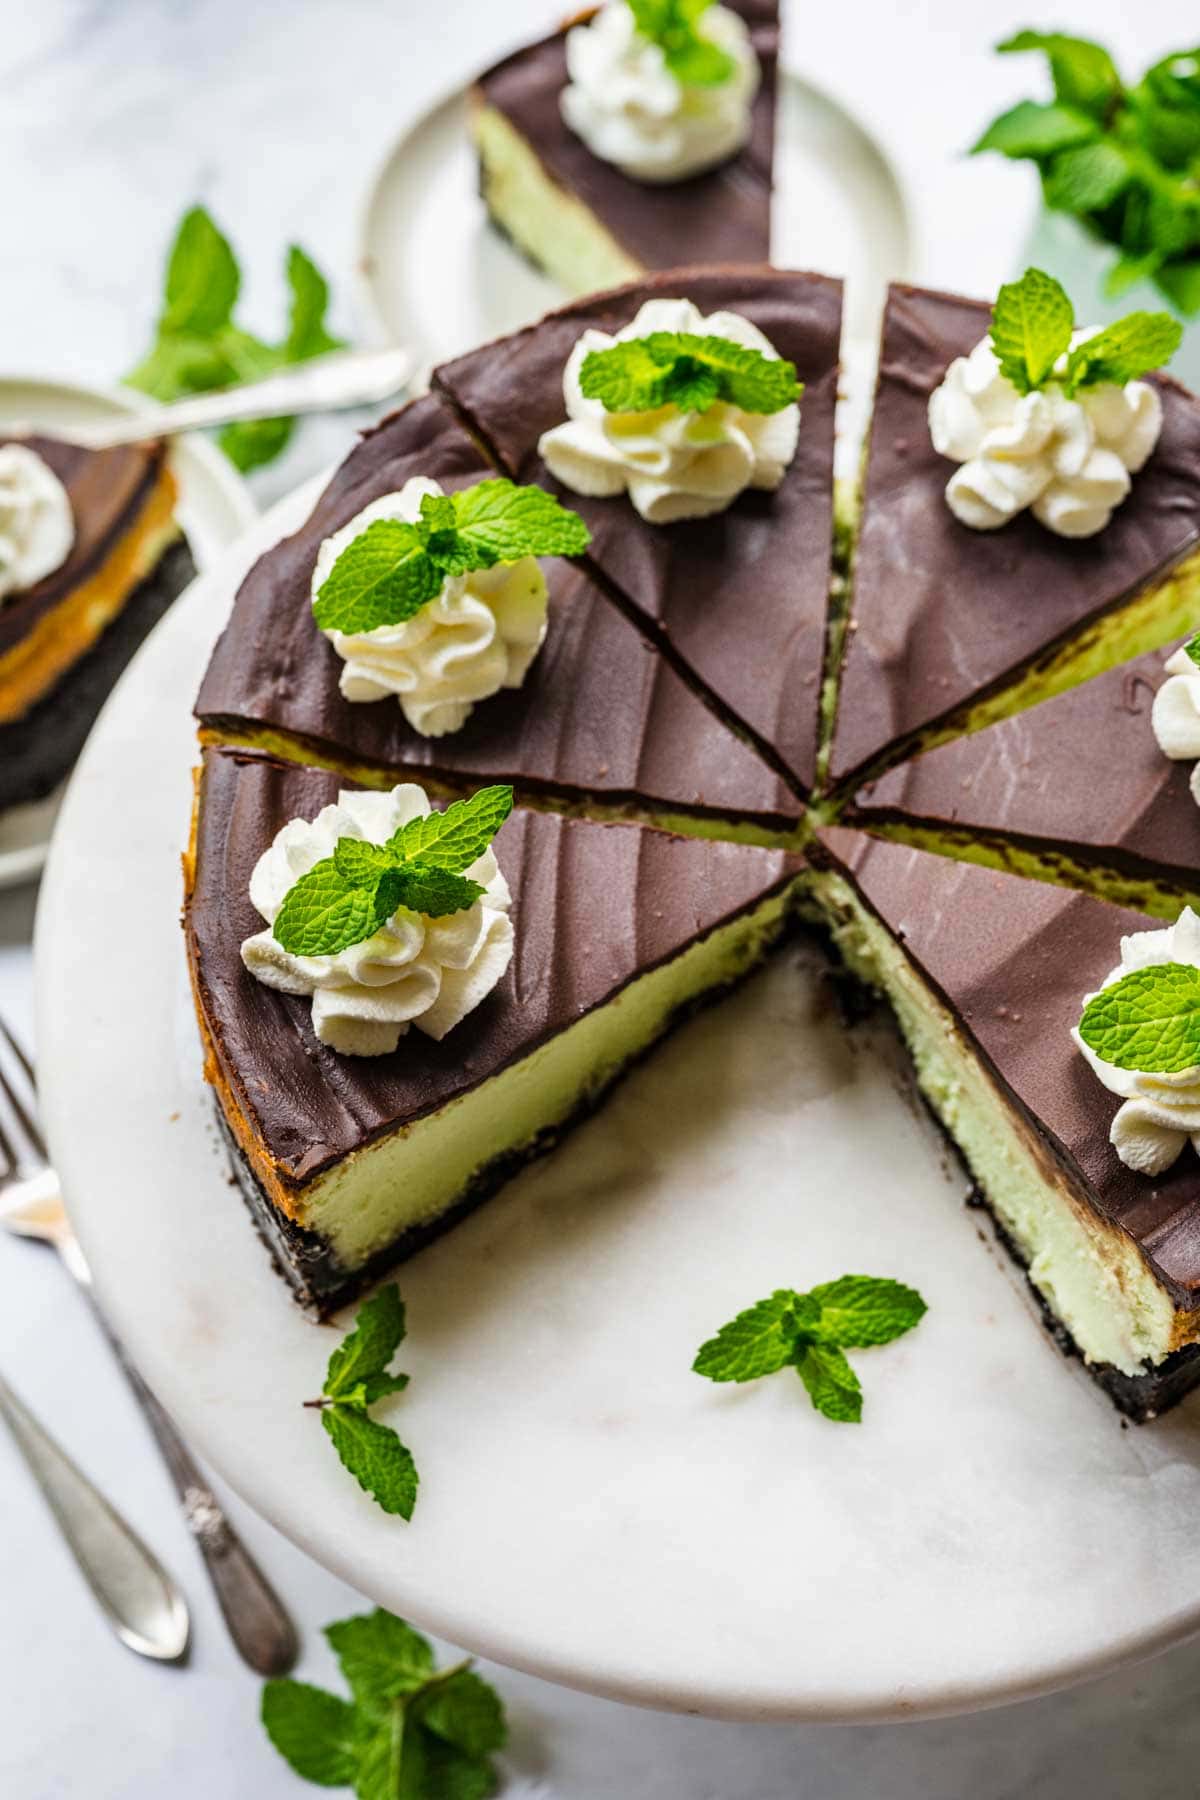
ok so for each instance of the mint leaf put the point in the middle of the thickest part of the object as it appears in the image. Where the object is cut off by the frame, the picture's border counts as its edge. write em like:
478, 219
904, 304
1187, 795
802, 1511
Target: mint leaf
464, 1711
1180, 282
358, 1376
759, 1341
1032, 322
1083, 72
312, 1730
382, 1466
1036, 128
859, 1310
435, 892
1149, 1020
202, 278
252, 442
307, 334
1133, 346
380, 1656
832, 1385
688, 370
1087, 178
1193, 649
674, 26
324, 913
384, 576
379, 1330
457, 837
502, 522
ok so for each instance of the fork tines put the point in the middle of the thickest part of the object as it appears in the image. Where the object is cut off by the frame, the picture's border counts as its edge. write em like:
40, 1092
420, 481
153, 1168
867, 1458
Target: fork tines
22, 1146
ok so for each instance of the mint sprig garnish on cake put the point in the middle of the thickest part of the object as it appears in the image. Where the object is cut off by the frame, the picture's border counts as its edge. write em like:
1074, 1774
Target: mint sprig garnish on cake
676, 27
810, 1332
357, 1377
350, 895
688, 371
395, 567
1148, 1021
1033, 324
410, 1731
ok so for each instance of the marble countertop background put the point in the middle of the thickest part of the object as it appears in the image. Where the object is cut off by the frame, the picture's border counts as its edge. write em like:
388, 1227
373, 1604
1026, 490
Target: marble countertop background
115, 114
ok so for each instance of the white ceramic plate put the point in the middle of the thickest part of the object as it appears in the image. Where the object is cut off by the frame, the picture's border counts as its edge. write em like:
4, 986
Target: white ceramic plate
590, 1510
838, 207
214, 507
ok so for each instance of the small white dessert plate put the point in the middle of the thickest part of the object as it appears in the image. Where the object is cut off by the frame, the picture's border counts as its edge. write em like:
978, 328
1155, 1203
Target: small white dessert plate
590, 1510
838, 207
214, 507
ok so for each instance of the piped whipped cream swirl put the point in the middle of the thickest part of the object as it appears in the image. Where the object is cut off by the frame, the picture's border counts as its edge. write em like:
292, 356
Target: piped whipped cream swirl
37, 524
415, 970
629, 109
1175, 715
480, 634
1070, 460
672, 464
1161, 1112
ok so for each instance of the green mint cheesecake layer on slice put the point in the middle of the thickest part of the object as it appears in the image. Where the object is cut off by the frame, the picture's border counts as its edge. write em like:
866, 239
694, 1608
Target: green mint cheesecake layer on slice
599, 159
955, 624
521, 671
689, 419
375, 1088
988, 974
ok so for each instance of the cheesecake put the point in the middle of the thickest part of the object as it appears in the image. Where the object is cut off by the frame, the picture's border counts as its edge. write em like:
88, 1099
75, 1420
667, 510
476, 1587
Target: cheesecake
350, 1163
586, 221
949, 628
66, 636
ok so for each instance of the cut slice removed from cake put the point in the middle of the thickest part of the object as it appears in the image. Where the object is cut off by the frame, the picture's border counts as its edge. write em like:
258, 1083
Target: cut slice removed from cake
350, 1163
987, 973
952, 628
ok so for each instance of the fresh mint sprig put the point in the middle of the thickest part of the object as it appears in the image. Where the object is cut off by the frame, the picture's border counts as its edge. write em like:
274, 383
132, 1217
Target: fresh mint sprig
1032, 325
810, 1332
674, 25
198, 347
1147, 1021
394, 568
1121, 159
349, 896
357, 1376
687, 370
410, 1731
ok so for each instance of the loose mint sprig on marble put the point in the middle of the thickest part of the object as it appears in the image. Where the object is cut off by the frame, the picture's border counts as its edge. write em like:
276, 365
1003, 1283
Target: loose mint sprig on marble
1032, 325
687, 370
1148, 1021
347, 897
810, 1333
356, 1378
394, 568
410, 1731
674, 25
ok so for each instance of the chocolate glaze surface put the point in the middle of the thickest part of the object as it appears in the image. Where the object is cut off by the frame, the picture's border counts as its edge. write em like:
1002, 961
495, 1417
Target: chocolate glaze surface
1012, 960
600, 711
594, 907
107, 489
726, 212
942, 613
741, 597
1081, 773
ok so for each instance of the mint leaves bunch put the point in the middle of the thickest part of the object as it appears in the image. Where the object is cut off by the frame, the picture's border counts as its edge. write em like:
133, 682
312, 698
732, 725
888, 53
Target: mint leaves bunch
1032, 325
356, 1378
1148, 1021
674, 25
349, 896
1123, 160
409, 1732
198, 347
394, 568
687, 370
811, 1333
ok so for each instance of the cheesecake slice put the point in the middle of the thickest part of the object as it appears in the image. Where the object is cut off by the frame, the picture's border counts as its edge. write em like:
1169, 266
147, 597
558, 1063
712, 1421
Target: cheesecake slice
351, 1163
602, 723
950, 628
1075, 791
986, 973
739, 598
583, 220
65, 640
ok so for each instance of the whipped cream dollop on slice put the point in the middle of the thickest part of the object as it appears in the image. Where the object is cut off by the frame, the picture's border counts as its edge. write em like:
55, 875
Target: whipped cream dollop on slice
37, 524
672, 464
480, 634
1175, 715
1070, 460
629, 109
1161, 1112
415, 970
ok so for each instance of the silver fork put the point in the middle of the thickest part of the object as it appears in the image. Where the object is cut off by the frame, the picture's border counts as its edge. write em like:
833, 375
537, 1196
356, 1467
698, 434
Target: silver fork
31, 1206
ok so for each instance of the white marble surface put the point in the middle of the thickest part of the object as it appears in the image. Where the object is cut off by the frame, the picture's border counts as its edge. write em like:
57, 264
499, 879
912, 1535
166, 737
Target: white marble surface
114, 114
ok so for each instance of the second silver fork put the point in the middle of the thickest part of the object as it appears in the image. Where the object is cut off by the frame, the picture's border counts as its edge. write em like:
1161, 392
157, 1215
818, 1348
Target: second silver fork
31, 1206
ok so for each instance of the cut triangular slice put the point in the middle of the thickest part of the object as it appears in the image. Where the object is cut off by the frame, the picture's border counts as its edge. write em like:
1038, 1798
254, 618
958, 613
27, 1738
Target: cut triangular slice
987, 973
351, 1163
1076, 790
584, 221
951, 628
740, 597
601, 723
